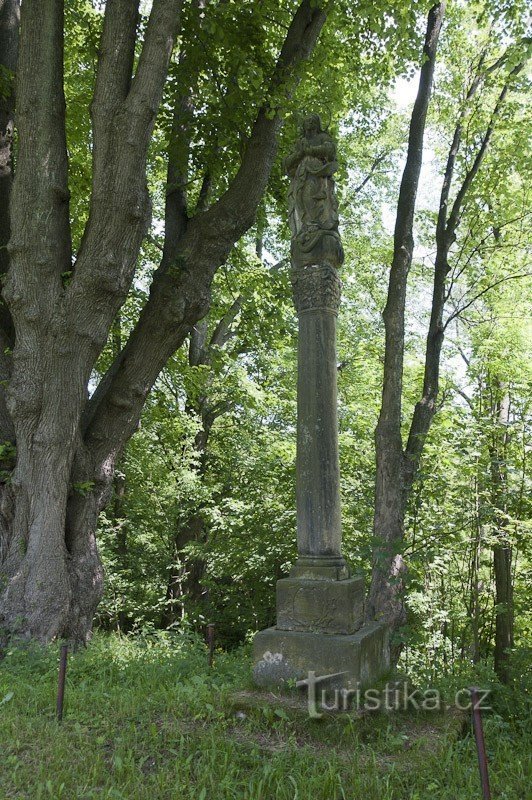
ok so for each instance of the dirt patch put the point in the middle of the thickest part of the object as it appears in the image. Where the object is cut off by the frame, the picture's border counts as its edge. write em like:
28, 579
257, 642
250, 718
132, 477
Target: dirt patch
276, 722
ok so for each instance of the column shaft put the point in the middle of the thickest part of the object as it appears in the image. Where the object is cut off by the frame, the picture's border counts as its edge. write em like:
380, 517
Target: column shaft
317, 473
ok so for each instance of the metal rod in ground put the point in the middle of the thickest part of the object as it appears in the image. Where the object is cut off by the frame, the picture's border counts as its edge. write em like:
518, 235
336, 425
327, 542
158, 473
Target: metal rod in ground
210, 642
481, 748
61, 684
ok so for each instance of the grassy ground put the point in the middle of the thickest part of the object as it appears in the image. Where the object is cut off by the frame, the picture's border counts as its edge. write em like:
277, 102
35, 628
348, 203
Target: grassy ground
146, 720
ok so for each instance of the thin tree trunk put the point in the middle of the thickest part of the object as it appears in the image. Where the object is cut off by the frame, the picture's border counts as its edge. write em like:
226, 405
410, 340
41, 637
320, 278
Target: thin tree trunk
384, 599
475, 586
397, 468
184, 589
502, 549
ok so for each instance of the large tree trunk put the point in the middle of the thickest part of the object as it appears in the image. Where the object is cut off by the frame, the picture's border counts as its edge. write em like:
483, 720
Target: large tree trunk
67, 444
35, 565
9, 19
51, 570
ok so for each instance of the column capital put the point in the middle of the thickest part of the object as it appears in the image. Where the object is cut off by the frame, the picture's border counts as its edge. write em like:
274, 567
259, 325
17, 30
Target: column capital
316, 287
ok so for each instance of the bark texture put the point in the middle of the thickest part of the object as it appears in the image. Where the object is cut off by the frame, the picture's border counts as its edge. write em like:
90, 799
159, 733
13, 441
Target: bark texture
9, 23
68, 443
51, 568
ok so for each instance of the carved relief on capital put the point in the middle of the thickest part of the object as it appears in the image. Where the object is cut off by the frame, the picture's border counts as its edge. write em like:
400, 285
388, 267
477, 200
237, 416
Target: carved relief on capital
316, 287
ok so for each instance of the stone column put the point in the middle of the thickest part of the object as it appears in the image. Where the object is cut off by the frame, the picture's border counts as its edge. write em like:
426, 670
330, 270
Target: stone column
320, 606
316, 290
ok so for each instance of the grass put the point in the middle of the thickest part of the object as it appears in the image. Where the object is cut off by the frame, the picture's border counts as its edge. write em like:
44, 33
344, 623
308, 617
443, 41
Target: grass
146, 720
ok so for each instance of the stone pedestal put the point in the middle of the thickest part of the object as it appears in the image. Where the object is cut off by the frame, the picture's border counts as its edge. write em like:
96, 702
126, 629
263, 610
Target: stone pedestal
320, 607
357, 659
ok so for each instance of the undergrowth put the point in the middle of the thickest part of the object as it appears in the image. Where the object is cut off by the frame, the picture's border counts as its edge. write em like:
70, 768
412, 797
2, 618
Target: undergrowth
145, 719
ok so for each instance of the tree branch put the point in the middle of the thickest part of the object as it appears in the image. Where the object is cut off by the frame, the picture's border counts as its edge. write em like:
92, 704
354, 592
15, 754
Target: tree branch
467, 305
120, 206
180, 294
454, 216
235, 210
453, 152
465, 397
377, 160
426, 408
113, 76
394, 312
223, 331
197, 350
176, 212
147, 86
42, 165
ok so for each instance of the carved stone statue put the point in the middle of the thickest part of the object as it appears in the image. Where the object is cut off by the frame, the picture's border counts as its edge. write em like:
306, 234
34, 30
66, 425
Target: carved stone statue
313, 209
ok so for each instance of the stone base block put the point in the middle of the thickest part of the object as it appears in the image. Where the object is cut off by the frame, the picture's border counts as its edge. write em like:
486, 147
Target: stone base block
320, 568
361, 658
320, 606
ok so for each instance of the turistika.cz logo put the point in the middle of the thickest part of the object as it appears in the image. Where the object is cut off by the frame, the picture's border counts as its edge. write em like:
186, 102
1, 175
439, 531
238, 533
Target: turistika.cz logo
396, 696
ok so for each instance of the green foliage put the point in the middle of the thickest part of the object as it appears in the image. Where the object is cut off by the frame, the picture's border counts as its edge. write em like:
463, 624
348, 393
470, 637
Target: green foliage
82, 31
83, 487
7, 79
201, 523
230, 506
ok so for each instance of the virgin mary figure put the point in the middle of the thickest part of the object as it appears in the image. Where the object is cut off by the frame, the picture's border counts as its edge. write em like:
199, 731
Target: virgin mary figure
313, 209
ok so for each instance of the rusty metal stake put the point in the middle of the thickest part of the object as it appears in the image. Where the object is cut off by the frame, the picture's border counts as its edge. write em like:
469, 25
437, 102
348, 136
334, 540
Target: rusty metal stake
61, 685
210, 642
481, 748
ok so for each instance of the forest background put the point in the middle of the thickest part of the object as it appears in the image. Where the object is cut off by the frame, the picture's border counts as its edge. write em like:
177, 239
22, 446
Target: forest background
202, 521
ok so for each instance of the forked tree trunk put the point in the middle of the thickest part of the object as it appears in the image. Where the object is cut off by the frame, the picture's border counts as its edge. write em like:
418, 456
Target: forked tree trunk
384, 599
397, 466
50, 570
62, 306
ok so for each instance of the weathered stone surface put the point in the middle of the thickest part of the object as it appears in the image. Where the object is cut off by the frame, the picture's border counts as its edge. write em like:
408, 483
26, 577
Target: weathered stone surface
319, 524
320, 568
281, 656
316, 288
320, 606
312, 204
